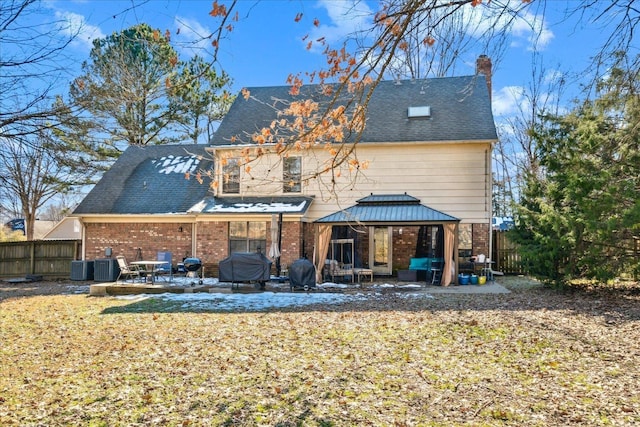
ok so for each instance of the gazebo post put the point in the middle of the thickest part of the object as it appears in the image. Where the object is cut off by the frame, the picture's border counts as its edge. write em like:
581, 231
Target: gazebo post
454, 279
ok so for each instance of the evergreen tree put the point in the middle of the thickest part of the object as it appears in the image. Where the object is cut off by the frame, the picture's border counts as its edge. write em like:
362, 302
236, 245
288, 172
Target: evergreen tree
200, 98
580, 215
125, 89
134, 90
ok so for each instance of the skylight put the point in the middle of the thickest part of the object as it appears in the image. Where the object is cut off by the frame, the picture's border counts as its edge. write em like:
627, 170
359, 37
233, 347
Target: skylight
417, 112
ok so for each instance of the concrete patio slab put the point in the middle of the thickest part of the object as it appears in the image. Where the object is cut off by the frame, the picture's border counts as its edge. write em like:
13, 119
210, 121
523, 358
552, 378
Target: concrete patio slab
213, 286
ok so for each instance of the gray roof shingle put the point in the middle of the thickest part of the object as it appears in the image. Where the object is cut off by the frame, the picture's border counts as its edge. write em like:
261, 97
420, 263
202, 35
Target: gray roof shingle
150, 180
460, 111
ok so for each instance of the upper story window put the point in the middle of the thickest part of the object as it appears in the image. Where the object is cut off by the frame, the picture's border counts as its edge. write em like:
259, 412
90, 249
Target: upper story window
231, 177
292, 175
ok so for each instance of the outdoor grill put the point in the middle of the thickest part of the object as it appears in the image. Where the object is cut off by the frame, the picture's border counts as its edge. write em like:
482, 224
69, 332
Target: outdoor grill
192, 267
192, 264
245, 267
302, 275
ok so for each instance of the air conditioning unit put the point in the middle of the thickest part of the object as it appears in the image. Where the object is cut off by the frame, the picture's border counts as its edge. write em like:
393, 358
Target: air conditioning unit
81, 270
105, 270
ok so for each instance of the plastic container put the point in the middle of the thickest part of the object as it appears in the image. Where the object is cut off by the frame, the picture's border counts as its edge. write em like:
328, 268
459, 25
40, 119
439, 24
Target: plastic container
474, 279
482, 280
463, 279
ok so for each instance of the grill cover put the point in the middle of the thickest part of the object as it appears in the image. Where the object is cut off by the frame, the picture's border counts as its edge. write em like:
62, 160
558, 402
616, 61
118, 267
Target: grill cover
302, 274
245, 267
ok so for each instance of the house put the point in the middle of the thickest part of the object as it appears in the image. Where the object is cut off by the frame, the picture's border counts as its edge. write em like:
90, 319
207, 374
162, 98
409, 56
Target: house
65, 229
426, 190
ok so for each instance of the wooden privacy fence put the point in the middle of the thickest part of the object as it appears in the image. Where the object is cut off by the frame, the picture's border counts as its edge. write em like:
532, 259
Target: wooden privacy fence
46, 258
505, 254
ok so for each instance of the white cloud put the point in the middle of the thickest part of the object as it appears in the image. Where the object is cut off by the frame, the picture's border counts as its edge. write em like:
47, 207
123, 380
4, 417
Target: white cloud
553, 76
508, 100
524, 27
346, 17
194, 38
533, 29
76, 25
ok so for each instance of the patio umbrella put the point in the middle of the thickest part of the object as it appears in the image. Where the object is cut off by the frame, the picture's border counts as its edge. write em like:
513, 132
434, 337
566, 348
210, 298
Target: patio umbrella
274, 250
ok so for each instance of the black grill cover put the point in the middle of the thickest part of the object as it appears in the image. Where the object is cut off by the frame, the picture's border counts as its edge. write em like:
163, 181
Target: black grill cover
245, 267
302, 274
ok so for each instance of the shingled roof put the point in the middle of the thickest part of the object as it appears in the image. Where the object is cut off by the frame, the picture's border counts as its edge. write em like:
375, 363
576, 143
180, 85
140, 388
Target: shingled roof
460, 110
150, 180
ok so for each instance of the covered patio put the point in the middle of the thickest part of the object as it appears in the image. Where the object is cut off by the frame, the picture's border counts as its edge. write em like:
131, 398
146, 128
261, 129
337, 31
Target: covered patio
382, 233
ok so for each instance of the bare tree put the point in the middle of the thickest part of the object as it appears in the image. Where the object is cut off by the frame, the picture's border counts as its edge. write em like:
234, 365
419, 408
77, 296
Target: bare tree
31, 66
30, 175
515, 153
617, 18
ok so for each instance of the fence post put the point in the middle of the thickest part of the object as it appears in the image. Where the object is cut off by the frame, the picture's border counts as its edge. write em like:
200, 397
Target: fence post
32, 255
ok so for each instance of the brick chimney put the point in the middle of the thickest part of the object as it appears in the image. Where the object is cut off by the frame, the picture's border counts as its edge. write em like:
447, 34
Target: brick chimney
483, 66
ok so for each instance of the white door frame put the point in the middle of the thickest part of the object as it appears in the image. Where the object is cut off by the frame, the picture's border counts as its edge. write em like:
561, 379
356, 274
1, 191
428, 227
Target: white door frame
388, 269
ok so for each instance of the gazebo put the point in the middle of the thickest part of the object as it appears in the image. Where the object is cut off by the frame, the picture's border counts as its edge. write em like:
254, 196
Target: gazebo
378, 215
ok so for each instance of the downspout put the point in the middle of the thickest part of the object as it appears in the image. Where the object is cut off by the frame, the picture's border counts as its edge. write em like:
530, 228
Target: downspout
489, 182
278, 265
194, 237
83, 239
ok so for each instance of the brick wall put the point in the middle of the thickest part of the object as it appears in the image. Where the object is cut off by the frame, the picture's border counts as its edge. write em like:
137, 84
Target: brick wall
404, 246
144, 239
129, 239
212, 245
480, 239
298, 238
292, 237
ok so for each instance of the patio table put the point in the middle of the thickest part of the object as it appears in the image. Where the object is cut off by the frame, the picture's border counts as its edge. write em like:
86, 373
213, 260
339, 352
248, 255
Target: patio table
151, 267
363, 272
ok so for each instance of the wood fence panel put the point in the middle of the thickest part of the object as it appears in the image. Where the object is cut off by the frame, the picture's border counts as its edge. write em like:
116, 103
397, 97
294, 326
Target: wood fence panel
47, 258
506, 254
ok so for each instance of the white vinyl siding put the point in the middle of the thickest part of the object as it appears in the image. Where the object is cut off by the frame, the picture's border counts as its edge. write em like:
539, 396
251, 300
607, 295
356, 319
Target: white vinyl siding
454, 178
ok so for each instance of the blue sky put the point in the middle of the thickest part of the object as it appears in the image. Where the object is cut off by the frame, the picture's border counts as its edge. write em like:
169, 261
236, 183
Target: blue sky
267, 45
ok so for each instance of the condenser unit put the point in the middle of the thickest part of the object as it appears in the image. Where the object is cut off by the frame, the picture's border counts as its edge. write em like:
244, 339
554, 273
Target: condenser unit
105, 270
81, 270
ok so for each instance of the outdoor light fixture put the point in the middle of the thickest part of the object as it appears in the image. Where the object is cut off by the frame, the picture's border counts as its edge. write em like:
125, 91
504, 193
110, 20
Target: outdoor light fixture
180, 229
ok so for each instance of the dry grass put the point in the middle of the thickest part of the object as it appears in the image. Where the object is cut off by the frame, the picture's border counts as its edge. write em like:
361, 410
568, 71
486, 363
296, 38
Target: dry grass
533, 357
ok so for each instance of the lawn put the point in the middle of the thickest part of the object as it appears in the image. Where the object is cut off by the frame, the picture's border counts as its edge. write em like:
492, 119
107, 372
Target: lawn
536, 356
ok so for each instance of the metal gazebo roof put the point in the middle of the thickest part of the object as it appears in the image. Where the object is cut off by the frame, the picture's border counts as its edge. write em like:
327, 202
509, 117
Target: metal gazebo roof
388, 208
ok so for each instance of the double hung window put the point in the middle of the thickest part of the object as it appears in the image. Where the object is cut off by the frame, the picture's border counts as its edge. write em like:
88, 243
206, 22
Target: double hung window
247, 236
231, 177
292, 175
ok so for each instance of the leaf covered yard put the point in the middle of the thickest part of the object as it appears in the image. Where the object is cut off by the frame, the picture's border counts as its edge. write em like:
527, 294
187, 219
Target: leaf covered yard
535, 356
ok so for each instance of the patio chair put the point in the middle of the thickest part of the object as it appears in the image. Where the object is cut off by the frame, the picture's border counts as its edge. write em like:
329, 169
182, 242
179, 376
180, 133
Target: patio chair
166, 269
132, 272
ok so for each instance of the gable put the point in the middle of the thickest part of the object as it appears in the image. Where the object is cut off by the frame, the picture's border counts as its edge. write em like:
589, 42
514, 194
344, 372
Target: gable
459, 110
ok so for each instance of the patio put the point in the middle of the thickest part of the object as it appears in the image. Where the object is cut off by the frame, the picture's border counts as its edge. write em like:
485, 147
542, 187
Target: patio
185, 285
